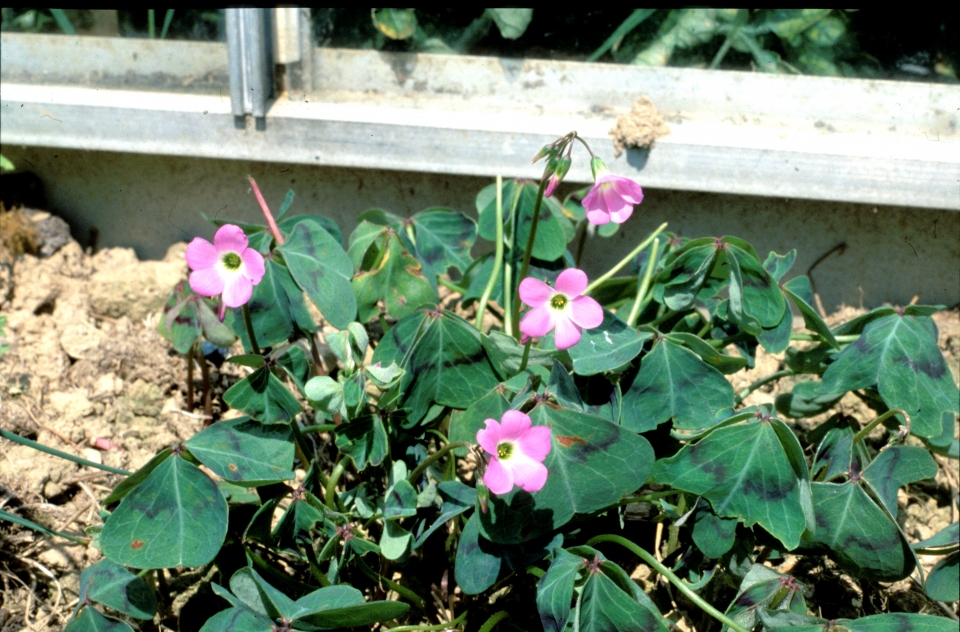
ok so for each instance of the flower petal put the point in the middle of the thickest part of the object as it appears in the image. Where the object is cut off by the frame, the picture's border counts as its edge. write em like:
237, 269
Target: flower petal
628, 189
237, 290
598, 217
535, 443
230, 238
206, 282
253, 267
201, 254
612, 201
528, 474
566, 333
593, 200
619, 217
535, 292
538, 321
489, 437
586, 312
498, 478
513, 425
572, 282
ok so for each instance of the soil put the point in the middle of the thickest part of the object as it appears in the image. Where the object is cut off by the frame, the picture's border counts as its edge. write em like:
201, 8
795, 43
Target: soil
87, 373
639, 129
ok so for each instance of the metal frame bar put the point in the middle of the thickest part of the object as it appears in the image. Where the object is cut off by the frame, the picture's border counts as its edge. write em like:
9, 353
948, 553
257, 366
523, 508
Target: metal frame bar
250, 58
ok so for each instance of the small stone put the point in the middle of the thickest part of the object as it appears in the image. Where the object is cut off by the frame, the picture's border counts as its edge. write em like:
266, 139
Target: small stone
79, 340
145, 399
132, 288
92, 455
72, 404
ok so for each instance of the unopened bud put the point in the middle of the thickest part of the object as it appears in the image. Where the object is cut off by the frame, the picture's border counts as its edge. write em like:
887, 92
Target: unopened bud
483, 497
598, 167
547, 150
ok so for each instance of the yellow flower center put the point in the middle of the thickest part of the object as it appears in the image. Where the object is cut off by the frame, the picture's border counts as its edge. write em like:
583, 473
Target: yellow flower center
231, 261
504, 450
558, 302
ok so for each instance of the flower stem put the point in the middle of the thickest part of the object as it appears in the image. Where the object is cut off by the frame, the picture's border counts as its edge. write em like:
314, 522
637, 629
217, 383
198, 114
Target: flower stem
612, 271
250, 333
207, 391
580, 244
330, 495
300, 444
403, 591
319, 428
190, 354
526, 356
494, 619
817, 338
450, 285
527, 253
497, 258
666, 572
63, 455
644, 284
762, 381
433, 458
879, 420
427, 628
266, 212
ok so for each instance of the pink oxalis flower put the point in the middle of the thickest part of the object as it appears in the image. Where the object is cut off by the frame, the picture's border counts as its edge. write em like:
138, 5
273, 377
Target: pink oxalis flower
563, 310
225, 267
517, 450
612, 197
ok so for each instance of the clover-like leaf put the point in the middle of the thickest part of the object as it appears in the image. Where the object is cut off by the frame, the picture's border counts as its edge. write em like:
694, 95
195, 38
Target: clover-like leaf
90, 620
277, 308
364, 440
943, 582
607, 347
676, 383
320, 266
555, 590
900, 355
175, 517
895, 467
395, 278
443, 240
263, 397
112, 585
245, 451
745, 473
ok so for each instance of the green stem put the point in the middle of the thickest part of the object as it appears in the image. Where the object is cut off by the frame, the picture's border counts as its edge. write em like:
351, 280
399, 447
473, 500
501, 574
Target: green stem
497, 258
433, 458
723, 342
494, 619
761, 382
667, 315
330, 494
151, 24
666, 572
427, 628
30, 524
403, 591
879, 420
315, 565
167, 19
508, 264
580, 244
817, 338
249, 325
63, 455
646, 242
527, 253
300, 444
526, 356
648, 497
319, 428
644, 284
451, 285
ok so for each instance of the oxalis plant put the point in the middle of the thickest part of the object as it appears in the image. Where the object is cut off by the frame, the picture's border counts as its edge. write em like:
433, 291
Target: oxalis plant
487, 471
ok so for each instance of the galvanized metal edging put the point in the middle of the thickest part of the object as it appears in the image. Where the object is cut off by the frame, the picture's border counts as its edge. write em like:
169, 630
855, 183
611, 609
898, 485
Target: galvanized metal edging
795, 137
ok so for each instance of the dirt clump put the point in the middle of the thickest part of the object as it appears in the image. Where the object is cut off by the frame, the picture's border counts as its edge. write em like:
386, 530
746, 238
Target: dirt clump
639, 129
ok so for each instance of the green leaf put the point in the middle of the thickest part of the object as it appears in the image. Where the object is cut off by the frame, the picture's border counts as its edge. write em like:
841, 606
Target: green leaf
512, 23
607, 347
550, 242
321, 267
364, 440
395, 542
755, 299
238, 620
945, 541
592, 464
298, 522
175, 517
126, 485
477, 565
788, 23
465, 424
797, 288
895, 467
326, 394
397, 24
943, 582
396, 280
685, 271
486, 203
806, 400
764, 588
444, 239
325, 223
744, 471
778, 265
858, 534
252, 360
90, 620
506, 354
836, 454
457, 499
277, 309
604, 606
247, 452
712, 535
113, 585
262, 396
676, 383
180, 323
6, 164
400, 501
213, 330
443, 358
900, 355
555, 590
722, 362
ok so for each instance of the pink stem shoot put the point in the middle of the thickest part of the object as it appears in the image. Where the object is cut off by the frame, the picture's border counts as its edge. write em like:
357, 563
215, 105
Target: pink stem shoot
266, 212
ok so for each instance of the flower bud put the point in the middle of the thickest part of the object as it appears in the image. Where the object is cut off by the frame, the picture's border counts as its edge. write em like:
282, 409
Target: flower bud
547, 150
598, 167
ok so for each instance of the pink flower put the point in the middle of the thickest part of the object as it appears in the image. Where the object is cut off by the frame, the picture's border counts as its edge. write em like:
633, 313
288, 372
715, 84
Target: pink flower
224, 267
612, 197
562, 310
517, 451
